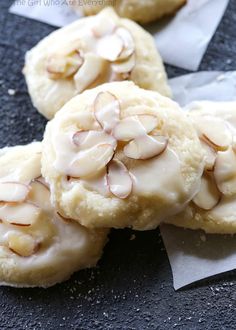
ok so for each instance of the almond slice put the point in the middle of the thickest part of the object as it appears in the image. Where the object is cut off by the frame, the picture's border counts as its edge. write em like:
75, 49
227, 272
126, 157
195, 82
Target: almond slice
149, 122
103, 26
13, 191
23, 214
63, 66
22, 244
107, 110
225, 171
210, 156
88, 139
145, 147
89, 72
110, 47
91, 161
40, 195
119, 180
215, 132
208, 196
124, 66
128, 42
132, 127
58, 214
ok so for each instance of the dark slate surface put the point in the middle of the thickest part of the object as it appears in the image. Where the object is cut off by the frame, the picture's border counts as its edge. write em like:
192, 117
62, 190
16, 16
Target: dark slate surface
132, 286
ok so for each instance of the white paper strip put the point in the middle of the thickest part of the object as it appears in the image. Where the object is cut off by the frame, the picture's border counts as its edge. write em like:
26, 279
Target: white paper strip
194, 255
205, 85
182, 41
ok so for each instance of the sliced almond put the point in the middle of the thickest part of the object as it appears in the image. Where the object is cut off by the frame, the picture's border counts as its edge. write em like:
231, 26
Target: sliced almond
132, 127
13, 191
103, 26
110, 47
149, 122
225, 171
22, 244
88, 139
210, 156
89, 72
63, 66
124, 66
145, 147
97, 183
119, 180
107, 110
208, 196
23, 214
64, 218
40, 195
91, 161
128, 42
215, 132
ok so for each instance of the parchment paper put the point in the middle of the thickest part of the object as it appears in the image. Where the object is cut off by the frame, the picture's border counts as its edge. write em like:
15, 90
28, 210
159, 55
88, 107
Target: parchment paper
194, 255
182, 40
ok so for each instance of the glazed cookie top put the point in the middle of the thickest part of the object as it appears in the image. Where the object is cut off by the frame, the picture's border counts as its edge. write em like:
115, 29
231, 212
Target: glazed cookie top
118, 148
213, 207
87, 53
35, 240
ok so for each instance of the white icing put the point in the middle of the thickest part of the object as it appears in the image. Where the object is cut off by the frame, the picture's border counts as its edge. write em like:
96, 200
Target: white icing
160, 175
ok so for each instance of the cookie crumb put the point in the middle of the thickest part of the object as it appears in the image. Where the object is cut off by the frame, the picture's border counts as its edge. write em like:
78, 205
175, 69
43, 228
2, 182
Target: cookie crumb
11, 92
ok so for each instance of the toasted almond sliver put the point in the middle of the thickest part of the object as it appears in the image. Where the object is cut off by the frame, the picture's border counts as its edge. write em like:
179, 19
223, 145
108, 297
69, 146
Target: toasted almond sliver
22, 244
88, 139
110, 47
124, 66
13, 191
208, 196
119, 180
134, 126
62, 66
145, 147
103, 26
128, 42
225, 171
210, 156
91, 161
40, 195
107, 110
23, 214
214, 131
89, 72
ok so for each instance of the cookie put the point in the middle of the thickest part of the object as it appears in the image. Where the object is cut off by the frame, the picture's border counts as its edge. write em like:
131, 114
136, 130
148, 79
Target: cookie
143, 11
213, 209
87, 53
121, 156
38, 247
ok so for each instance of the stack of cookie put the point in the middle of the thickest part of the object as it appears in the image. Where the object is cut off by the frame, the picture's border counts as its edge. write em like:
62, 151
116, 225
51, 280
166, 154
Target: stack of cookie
117, 153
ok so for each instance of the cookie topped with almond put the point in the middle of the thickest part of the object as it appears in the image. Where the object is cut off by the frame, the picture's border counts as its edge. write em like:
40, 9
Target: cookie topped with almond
213, 207
35, 240
120, 156
90, 52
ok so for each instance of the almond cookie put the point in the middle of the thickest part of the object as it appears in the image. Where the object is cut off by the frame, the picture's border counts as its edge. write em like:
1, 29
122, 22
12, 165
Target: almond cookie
38, 247
213, 209
143, 11
121, 156
87, 53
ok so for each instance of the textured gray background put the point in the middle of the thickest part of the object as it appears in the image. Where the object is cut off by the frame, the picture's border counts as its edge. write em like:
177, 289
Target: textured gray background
132, 286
